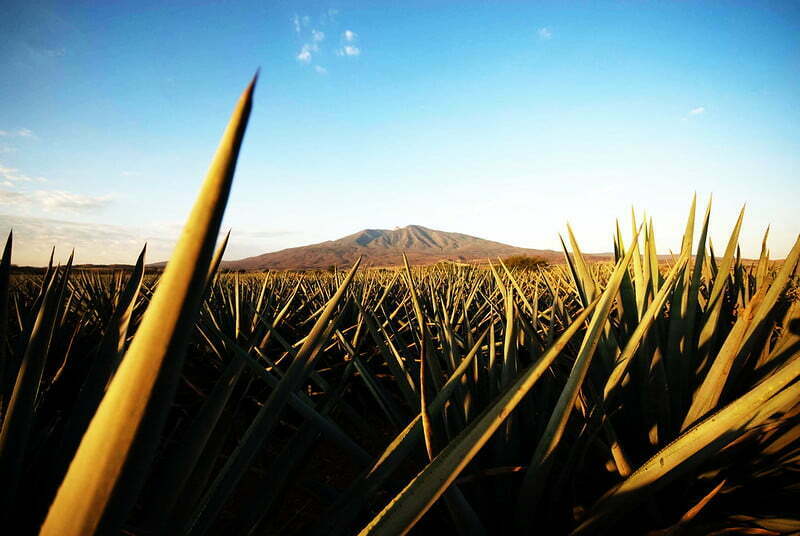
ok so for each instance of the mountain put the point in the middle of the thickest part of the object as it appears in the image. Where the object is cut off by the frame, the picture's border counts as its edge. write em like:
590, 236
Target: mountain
384, 247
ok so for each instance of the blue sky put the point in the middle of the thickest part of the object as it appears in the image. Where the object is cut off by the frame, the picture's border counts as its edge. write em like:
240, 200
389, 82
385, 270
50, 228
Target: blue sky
504, 120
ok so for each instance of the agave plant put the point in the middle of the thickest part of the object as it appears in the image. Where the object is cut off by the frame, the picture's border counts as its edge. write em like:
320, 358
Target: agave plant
650, 394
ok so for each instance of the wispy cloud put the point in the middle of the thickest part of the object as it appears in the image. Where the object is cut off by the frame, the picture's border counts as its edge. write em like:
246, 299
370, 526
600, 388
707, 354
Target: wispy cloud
308, 49
130, 173
348, 50
101, 243
54, 201
93, 242
305, 52
693, 113
349, 36
545, 33
314, 39
12, 197
54, 52
19, 133
40, 54
15, 175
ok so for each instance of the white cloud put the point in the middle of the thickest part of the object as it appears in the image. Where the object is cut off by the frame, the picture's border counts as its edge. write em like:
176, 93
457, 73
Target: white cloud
130, 173
317, 36
101, 243
544, 33
54, 201
348, 50
44, 200
349, 35
320, 69
299, 22
54, 52
697, 111
15, 175
93, 242
19, 133
305, 53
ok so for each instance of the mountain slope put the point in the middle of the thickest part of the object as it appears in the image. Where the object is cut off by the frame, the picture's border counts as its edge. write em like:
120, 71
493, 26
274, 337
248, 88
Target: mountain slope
383, 247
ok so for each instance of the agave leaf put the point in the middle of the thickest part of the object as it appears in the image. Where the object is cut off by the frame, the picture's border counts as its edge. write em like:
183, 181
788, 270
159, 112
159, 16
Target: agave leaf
269, 413
216, 260
587, 279
500, 285
639, 275
5, 271
342, 513
642, 329
651, 259
509, 370
708, 394
763, 261
391, 356
720, 282
383, 399
699, 443
305, 408
695, 510
17, 421
282, 466
538, 469
424, 360
688, 322
576, 278
103, 366
788, 337
154, 357
520, 293
400, 515
777, 288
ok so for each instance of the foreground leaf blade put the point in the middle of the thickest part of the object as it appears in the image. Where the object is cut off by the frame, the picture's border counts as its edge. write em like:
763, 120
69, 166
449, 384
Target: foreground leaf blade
154, 355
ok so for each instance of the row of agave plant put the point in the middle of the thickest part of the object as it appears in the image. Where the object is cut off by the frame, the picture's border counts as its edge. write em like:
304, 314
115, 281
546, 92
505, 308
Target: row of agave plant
636, 396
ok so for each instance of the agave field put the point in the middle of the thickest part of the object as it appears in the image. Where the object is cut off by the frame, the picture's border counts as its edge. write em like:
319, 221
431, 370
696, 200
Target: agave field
641, 396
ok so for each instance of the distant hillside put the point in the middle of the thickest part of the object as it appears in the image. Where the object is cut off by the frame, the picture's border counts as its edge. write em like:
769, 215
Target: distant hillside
15, 269
383, 247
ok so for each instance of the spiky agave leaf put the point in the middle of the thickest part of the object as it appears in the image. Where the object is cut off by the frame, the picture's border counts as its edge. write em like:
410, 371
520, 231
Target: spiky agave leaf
400, 515
154, 357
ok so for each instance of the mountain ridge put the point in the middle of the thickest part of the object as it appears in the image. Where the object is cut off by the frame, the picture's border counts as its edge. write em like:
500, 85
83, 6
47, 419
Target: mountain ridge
384, 247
